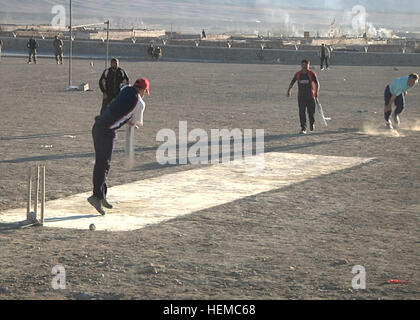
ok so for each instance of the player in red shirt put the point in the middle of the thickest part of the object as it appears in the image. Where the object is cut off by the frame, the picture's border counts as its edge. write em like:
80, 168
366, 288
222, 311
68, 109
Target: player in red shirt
307, 94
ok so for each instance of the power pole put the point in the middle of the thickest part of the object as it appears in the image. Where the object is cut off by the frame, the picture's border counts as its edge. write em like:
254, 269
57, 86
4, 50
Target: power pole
71, 45
107, 43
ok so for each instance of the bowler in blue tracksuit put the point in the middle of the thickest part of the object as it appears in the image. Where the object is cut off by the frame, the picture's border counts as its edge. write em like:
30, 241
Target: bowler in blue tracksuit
126, 108
395, 92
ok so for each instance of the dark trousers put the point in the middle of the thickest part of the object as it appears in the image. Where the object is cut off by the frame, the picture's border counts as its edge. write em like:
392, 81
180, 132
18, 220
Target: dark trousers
306, 104
103, 141
32, 53
399, 103
59, 56
323, 58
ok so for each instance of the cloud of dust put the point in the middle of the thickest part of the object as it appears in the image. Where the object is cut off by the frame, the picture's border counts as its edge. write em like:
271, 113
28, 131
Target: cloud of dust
411, 125
380, 130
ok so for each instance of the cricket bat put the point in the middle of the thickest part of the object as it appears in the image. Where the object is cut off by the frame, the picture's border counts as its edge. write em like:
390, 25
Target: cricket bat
321, 113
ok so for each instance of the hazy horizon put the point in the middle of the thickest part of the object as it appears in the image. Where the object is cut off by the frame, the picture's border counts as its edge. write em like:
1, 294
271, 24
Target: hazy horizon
216, 16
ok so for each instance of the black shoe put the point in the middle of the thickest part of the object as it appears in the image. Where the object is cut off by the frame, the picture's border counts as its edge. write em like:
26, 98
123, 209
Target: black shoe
312, 127
106, 204
97, 204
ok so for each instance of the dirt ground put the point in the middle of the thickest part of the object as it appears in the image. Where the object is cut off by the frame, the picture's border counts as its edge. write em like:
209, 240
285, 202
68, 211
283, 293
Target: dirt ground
299, 242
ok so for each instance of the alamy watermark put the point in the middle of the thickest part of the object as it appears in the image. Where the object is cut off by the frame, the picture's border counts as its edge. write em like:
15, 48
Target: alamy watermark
359, 280
193, 147
59, 20
358, 21
59, 281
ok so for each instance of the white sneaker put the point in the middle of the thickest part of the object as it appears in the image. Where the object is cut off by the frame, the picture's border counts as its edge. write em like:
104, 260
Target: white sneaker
396, 119
389, 125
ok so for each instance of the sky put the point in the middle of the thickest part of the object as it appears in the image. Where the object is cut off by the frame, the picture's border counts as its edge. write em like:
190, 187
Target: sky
221, 15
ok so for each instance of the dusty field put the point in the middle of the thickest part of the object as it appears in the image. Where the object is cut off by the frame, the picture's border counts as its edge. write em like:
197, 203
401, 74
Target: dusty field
299, 242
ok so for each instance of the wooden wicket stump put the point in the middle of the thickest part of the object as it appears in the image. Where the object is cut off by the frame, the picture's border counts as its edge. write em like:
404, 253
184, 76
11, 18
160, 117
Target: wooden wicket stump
32, 216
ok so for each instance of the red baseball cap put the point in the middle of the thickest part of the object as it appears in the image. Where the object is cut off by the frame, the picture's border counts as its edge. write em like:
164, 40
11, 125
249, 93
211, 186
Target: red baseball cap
142, 83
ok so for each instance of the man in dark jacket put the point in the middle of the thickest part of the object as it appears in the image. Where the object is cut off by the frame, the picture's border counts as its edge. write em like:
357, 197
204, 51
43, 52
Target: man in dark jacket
32, 45
111, 81
325, 54
1, 46
58, 50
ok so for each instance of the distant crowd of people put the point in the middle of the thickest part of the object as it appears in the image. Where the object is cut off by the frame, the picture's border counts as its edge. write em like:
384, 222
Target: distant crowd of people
33, 45
154, 52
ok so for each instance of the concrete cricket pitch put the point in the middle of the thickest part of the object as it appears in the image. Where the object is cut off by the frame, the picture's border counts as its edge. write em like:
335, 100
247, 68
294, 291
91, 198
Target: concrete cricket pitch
341, 196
